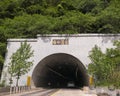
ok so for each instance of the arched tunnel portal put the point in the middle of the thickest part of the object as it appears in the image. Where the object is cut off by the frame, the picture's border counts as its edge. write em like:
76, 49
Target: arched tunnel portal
61, 71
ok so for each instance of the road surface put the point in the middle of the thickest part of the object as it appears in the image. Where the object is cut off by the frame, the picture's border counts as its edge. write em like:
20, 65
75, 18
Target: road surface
72, 92
64, 92
35, 92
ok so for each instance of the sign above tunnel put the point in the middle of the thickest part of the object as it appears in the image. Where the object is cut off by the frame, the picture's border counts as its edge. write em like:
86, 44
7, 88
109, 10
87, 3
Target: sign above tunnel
60, 41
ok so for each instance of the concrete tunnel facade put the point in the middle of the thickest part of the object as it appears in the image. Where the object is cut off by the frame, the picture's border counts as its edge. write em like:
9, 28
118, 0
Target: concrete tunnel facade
59, 59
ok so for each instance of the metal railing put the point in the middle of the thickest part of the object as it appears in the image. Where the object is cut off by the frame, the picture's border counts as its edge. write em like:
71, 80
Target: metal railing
19, 89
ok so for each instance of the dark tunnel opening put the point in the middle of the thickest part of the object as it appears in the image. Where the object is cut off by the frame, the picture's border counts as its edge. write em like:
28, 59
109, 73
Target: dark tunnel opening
60, 71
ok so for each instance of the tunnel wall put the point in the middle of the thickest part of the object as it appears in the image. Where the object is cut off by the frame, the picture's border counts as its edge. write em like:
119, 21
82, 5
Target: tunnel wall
77, 45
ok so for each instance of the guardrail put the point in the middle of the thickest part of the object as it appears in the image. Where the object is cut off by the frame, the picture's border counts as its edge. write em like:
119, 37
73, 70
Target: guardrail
19, 89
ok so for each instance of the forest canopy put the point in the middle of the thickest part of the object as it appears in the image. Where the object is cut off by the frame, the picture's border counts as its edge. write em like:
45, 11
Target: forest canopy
27, 18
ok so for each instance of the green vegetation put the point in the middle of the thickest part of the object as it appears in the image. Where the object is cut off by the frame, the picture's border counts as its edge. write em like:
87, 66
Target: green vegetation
20, 63
26, 18
106, 66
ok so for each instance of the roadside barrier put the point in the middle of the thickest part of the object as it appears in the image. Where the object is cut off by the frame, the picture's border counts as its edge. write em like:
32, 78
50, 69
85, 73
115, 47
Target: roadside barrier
19, 89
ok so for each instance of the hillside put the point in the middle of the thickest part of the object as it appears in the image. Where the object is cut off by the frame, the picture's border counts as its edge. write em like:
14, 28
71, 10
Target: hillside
26, 18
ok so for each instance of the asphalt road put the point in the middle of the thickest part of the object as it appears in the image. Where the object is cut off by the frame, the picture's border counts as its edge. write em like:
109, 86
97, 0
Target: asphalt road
36, 92
65, 92
73, 92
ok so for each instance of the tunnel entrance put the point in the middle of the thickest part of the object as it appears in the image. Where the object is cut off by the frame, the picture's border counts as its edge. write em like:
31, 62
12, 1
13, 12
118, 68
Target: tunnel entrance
60, 71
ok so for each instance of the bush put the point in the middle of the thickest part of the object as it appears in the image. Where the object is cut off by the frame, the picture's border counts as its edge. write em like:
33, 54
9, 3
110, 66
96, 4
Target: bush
2, 84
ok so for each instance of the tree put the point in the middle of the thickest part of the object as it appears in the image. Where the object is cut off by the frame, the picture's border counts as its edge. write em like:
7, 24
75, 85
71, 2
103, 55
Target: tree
96, 67
27, 18
106, 66
1, 64
20, 63
2, 55
116, 61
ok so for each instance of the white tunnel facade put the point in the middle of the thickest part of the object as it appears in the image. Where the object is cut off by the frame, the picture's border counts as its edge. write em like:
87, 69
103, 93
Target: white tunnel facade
58, 57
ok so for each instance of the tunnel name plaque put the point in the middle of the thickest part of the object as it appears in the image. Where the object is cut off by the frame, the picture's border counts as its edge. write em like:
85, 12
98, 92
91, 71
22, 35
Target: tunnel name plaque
60, 41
